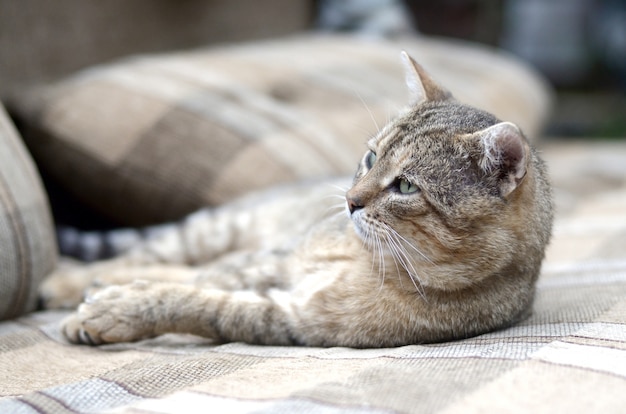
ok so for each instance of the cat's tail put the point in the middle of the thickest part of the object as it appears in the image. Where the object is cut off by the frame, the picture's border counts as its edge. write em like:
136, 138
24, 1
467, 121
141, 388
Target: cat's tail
89, 246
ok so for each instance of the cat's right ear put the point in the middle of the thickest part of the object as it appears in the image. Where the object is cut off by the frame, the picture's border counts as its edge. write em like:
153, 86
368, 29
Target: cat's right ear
421, 86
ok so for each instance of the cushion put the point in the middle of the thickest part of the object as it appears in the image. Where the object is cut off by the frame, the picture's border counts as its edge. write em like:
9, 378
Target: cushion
151, 138
27, 242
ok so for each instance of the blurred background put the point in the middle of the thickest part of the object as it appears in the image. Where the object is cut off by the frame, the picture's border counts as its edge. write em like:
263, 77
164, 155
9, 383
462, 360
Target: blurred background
579, 45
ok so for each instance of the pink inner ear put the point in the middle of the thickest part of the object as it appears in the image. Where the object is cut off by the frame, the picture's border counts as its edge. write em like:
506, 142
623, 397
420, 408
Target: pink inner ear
513, 152
505, 149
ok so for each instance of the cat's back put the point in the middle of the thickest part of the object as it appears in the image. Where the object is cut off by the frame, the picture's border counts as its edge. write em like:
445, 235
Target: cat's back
284, 215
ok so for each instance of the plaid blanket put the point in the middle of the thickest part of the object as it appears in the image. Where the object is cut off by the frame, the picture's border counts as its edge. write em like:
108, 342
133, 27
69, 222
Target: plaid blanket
570, 356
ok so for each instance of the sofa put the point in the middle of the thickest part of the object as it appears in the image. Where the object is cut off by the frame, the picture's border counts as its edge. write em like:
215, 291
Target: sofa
142, 138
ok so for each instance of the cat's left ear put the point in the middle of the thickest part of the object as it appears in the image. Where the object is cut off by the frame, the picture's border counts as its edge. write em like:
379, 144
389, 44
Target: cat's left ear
421, 86
505, 149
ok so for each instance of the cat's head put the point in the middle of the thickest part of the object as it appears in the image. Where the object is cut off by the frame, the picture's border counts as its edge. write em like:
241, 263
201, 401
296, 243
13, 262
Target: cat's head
448, 192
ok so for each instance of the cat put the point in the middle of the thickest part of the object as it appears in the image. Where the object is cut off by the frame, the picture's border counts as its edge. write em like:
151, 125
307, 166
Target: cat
441, 237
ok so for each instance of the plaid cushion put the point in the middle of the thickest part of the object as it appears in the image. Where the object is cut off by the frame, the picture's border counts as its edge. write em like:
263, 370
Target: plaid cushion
569, 356
150, 139
27, 243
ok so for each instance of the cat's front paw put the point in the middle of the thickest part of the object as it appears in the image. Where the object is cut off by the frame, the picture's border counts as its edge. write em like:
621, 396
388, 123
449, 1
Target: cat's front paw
113, 314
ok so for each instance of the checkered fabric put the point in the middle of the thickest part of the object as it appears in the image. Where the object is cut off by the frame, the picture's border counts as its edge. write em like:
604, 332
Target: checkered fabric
27, 242
569, 356
153, 138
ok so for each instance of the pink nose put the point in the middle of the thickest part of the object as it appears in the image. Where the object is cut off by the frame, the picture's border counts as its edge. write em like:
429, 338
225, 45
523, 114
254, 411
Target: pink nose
354, 204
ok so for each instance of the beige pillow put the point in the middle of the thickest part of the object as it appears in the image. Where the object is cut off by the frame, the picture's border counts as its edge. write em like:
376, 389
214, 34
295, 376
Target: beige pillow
150, 139
27, 243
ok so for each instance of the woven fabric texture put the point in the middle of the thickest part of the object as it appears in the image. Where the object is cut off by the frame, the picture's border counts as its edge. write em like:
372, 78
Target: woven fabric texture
569, 356
150, 139
27, 242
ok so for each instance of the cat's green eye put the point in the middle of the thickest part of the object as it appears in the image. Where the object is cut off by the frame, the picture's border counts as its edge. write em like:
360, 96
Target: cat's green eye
407, 187
370, 159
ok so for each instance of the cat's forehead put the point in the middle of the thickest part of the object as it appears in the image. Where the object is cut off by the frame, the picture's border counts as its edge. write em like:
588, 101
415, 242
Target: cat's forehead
384, 137
401, 137
431, 128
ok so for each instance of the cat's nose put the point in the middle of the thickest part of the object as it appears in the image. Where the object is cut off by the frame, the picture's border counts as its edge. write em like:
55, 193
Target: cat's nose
354, 204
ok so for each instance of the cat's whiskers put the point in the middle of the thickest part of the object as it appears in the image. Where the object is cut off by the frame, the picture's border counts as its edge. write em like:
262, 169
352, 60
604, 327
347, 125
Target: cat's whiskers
374, 244
396, 258
337, 214
382, 269
338, 187
408, 243
371, 240
401, 255
407, 263
378, 253
334, 211
343, 198
341, 205
337, 206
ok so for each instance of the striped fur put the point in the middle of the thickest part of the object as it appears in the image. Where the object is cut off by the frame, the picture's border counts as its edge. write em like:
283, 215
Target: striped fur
435, 247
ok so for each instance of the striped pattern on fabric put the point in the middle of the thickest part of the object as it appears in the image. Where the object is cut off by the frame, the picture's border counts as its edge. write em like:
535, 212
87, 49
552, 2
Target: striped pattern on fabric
569, 356
152, 138
27, 243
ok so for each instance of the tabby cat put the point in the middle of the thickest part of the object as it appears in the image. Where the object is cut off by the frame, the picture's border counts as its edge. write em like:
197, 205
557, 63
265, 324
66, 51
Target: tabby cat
442, 237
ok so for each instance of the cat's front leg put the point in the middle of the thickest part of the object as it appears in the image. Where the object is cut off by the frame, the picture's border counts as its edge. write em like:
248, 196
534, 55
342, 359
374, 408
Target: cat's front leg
68, 285
142, 310
130, 312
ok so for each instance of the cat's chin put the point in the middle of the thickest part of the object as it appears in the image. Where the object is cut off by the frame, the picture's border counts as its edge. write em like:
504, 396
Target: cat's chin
360, 227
